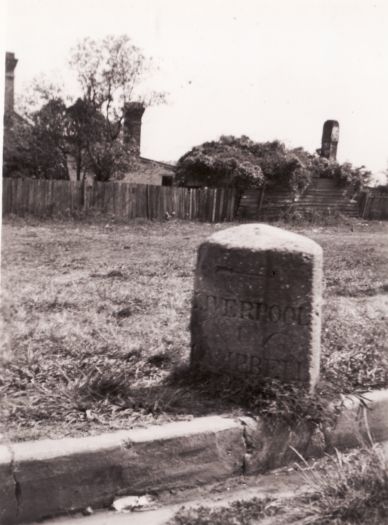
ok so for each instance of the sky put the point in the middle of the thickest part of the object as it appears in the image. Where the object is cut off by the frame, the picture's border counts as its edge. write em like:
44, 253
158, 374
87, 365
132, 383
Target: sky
269, 69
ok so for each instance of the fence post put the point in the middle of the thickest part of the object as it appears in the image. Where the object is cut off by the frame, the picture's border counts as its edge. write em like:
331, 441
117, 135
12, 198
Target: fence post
261, 200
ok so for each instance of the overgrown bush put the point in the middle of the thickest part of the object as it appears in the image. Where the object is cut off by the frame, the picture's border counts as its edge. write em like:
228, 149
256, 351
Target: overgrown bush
243, 164
343, 174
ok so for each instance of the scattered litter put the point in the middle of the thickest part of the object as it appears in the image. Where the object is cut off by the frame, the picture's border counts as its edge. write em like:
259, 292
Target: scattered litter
91, 416
134, 503
88, 511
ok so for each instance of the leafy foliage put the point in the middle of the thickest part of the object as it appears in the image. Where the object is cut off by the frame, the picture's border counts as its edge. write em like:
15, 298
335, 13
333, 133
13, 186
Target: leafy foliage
243, 163
95, 142
228, 161
48, 142
90, 131
344, 174
16, 149
110, 73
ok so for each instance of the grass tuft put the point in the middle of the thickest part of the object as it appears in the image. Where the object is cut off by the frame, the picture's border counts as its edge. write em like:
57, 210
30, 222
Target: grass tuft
352, 488
99, 384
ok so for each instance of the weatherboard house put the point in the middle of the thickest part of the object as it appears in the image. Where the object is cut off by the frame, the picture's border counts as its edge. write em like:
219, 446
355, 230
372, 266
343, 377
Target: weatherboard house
147, 171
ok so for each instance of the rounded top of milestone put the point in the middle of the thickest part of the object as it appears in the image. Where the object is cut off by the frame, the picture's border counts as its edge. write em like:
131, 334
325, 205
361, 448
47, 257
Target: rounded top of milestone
261, 237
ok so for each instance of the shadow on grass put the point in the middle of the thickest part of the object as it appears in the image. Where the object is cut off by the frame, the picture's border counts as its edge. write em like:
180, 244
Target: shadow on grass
188, 391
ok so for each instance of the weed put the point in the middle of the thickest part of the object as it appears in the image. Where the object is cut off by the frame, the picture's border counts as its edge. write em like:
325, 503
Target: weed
313, 217
352, 488
343, 489
99, 384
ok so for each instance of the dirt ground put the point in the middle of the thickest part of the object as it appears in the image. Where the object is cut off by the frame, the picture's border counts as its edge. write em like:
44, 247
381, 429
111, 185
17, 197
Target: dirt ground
95, 317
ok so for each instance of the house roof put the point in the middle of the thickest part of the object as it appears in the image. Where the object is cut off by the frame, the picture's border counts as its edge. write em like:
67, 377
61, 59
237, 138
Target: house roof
159, 163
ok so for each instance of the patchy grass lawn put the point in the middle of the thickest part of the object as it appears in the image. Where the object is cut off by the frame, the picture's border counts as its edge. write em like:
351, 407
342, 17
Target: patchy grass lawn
96, 318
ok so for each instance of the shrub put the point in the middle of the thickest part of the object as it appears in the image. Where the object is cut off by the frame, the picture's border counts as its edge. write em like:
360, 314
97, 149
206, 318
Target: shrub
243, 163
344, 174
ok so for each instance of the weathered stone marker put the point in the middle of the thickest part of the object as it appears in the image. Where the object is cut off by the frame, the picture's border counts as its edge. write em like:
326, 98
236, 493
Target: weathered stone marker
257, 304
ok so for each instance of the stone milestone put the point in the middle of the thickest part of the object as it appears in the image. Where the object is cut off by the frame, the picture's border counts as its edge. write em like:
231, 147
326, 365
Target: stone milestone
257, 305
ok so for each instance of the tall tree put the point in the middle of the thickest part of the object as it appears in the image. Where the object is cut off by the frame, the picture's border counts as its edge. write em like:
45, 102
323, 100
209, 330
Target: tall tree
110, 73
35, 144
48, 145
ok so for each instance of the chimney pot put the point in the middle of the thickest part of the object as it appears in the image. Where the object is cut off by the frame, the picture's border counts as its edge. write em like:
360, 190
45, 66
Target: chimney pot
10, 64
330, 137
133, 113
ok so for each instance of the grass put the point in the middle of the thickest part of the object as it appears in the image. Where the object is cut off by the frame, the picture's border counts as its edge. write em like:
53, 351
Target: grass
96, 325
344, 489
237, 513
351, 488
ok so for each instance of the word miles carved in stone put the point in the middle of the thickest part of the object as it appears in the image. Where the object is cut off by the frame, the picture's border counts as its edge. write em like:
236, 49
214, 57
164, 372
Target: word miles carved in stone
257, 304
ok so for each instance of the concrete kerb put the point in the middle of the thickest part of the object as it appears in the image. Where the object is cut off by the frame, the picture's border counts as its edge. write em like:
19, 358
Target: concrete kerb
45, 478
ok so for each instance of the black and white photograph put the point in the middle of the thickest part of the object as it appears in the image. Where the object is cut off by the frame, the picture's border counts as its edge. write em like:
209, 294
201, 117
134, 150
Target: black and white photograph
194, 262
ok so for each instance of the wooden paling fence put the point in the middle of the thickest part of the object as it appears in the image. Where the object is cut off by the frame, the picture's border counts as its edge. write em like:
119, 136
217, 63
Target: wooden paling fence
126, 201
40, 197
374, 205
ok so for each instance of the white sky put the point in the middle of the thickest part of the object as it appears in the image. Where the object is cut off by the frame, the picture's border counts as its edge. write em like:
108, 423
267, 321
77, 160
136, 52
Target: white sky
269, 69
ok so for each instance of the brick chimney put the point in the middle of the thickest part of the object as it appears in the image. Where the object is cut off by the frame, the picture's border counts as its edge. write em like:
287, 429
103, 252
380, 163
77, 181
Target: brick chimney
330, 137
133, 112
10, 64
